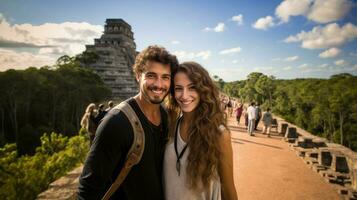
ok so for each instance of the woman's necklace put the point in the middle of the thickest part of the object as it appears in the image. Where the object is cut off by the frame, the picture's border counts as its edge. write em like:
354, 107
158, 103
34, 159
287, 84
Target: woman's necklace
178, 155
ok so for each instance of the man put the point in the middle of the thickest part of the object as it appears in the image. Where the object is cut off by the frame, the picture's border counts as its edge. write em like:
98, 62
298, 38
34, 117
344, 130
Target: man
114, 137
251, 119
258, 116
110, 106
267, 121
100, 115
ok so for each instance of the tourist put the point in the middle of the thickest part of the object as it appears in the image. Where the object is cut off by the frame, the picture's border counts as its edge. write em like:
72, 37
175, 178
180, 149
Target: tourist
251, 119
114, 137
88, 122
110, 106
239, 112
198, 162
258, 116
100, 115
267, 121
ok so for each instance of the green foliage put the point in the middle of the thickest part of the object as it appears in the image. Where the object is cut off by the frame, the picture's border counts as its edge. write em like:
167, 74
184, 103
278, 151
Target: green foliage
26, 176
34, 101
325, 107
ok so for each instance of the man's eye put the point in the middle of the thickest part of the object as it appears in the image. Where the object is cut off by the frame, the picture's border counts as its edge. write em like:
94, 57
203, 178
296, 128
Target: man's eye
150, 76
166, 78
178, 89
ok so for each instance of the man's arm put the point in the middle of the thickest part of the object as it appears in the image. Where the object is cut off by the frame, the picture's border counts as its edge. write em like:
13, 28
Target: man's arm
108, 151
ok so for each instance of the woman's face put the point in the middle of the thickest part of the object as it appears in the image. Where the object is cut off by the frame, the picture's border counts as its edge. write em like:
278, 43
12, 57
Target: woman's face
186, 94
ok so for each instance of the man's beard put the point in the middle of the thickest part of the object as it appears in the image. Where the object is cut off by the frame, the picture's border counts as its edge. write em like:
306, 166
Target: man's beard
154, 100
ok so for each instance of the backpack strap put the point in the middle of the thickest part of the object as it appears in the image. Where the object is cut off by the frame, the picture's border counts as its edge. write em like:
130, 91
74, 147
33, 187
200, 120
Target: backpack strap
136, 150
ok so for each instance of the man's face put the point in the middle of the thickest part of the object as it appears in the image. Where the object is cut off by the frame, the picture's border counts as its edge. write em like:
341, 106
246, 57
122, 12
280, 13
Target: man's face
154, 82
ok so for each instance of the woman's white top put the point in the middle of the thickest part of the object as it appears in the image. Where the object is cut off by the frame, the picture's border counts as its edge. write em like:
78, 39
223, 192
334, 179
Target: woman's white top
175, 186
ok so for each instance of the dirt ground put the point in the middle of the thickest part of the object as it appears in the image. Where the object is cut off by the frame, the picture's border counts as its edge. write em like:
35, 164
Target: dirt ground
265, 168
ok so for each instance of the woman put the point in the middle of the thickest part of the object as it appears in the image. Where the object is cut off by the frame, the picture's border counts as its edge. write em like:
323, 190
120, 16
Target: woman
88, 122
239, 112
198, 161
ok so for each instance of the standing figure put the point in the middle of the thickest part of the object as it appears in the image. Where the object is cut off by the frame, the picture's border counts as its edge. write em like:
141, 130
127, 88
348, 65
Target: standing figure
100, 115
251, 119
258, 116
246, 120
115, 136
198, 162
88, 122
267, 120
239, 112
110, 106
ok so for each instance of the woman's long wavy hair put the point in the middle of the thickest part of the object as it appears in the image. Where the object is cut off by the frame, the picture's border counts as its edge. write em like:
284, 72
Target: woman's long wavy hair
204, 133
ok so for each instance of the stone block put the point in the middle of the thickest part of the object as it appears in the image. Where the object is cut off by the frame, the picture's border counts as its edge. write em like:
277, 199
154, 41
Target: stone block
324, 157
284, 127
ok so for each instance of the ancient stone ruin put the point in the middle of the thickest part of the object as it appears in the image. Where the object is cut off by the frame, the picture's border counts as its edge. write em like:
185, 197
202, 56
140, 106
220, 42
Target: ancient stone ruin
116, 50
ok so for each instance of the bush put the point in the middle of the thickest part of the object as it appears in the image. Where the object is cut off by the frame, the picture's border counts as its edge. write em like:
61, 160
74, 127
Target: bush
26, 176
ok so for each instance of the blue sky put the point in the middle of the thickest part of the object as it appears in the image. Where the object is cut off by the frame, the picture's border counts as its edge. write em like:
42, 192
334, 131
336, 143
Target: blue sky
287, 39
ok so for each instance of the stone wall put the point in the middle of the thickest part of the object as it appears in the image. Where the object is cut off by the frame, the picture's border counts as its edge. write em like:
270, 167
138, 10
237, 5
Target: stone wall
64, 188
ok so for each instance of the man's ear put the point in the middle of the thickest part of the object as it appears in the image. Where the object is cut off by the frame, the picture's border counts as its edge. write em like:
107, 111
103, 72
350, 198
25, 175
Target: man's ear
138, 76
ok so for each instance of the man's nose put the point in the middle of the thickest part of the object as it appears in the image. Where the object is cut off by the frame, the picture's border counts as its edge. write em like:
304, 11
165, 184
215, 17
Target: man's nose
158, 82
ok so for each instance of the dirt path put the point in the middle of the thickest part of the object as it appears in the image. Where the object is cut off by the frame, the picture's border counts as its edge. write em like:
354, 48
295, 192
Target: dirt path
265, 168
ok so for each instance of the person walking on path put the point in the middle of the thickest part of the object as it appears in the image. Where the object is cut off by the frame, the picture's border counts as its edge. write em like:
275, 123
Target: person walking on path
258, 116
198, 162
115, 136
239, 112
251, 118
267, 120
88, 122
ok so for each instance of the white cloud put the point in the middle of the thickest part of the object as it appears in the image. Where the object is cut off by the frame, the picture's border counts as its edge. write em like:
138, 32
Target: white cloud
235, 61
230, 51
292, 58
330, 53
14, 60
67, 37
324, 11
238, 19
219, 28
50, 40
289, 8
263, 69
323, 66
175, 42
332, 35
264, 23
303, 66
340, 62
287, 68
320, 11
184, 56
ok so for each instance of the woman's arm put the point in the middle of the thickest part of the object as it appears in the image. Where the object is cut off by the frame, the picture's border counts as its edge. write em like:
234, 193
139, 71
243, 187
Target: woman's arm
226, 167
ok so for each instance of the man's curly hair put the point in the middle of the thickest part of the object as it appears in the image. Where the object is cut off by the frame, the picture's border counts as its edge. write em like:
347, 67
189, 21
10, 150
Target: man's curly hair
157, 54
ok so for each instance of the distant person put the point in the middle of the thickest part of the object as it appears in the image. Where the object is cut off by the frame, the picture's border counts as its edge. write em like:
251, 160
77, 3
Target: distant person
110, 106
239, 112
230, 107
198, 162
115, 135
88, 122
258, 116
100, 115
251, 118
267, 121
245, 114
